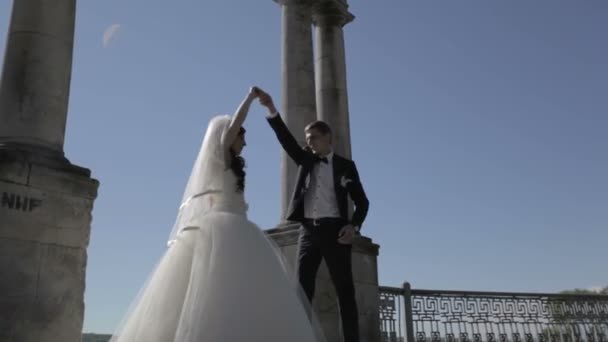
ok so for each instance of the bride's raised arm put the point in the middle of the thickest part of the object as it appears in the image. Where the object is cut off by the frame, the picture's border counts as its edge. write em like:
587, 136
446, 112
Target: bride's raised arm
237, 121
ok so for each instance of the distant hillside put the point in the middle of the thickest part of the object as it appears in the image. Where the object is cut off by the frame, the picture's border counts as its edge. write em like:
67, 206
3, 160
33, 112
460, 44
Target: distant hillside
95, 338
599, 290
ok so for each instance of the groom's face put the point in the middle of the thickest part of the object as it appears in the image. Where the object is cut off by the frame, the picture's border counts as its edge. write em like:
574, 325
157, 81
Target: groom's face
318, 142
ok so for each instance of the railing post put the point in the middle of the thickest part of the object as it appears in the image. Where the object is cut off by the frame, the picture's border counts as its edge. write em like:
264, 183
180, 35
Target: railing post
409, 322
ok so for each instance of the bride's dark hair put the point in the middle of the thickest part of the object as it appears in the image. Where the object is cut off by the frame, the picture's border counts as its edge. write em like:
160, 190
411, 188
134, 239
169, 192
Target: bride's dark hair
237, 165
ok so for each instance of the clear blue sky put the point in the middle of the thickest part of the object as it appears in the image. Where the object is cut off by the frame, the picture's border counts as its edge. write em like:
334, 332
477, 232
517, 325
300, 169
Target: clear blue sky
479, 129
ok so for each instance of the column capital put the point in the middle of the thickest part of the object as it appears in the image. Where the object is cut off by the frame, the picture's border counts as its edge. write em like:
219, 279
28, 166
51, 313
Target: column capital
331, 13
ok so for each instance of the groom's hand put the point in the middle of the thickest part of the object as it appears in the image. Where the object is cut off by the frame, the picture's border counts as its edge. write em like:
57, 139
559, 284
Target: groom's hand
347, 234
266, 101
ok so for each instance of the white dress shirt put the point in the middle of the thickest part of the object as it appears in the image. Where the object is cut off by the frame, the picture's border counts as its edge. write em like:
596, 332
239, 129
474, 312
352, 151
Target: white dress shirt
320, 198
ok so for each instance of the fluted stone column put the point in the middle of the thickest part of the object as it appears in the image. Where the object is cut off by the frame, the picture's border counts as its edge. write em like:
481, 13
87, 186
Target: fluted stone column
45, 202
298, 84
329, 16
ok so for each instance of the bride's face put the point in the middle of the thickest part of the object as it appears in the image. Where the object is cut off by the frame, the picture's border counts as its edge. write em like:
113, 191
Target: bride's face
238, 144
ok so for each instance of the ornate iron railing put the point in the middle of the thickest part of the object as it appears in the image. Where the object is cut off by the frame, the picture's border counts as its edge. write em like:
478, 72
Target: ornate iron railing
414, 315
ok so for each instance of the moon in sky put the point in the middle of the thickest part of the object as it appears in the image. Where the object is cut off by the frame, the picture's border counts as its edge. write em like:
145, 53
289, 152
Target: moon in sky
109, 33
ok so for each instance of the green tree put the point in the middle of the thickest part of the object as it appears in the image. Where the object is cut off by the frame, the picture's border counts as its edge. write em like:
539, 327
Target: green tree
562, 325
603, 291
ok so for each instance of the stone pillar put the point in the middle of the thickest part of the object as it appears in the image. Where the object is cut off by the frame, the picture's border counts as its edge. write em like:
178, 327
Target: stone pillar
329, 16
36, 74
45, 202
298, 84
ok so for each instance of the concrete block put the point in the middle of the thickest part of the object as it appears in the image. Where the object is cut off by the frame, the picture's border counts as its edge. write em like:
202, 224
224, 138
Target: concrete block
19, 265
13, 169
30, 205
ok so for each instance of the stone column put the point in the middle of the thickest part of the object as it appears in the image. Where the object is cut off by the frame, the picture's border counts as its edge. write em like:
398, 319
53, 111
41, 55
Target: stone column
332, 107
329, 16
36, 74
298, 84
45, 202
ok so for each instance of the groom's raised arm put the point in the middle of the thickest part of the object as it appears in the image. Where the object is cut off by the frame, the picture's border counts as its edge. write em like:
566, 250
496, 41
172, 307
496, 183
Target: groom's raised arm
287, 140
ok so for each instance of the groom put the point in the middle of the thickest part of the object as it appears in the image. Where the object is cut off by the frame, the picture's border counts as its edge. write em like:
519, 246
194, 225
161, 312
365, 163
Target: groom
320, 204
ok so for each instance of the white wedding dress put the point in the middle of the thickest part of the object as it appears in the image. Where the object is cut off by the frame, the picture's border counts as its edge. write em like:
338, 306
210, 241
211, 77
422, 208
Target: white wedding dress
221, 279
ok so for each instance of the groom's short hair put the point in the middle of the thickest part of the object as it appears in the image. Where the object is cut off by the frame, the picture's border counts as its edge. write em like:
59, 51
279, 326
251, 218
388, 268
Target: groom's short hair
320, 126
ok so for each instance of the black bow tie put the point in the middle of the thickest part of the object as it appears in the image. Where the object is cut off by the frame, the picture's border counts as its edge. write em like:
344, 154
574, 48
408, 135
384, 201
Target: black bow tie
321, 159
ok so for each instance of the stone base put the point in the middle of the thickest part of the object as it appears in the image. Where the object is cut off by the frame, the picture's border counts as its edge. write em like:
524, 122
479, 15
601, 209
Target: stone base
45, 218
325, 303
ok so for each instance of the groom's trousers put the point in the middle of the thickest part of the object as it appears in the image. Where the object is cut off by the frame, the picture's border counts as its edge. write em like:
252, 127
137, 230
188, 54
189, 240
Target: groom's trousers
317, 241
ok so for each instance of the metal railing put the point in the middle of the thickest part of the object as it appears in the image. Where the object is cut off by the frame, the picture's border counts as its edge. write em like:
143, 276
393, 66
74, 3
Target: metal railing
415, 315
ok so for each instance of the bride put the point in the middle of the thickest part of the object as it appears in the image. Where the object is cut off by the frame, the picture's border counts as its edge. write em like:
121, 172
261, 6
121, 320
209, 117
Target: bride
221, 279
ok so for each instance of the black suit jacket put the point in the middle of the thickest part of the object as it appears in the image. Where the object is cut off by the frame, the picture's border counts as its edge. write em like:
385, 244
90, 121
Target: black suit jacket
346, 178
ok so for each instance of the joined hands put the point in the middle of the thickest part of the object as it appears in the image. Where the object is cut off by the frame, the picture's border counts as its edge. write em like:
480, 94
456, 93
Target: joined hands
265, 100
